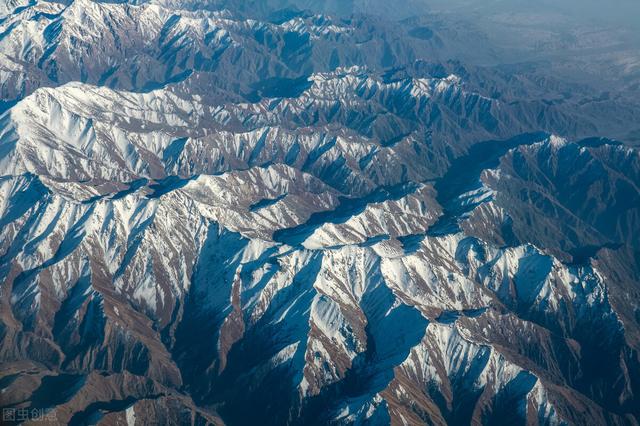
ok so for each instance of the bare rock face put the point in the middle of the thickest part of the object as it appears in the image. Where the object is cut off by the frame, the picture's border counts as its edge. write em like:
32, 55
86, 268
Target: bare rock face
207, 218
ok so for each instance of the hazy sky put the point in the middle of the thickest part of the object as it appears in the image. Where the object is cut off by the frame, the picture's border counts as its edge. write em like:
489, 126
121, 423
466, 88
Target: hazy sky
625, 12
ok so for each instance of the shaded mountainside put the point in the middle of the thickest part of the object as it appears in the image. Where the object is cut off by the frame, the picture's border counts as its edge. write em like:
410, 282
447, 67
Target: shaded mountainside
222, 220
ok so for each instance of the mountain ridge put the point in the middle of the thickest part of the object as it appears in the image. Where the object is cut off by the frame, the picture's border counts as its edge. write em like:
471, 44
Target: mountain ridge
323, 237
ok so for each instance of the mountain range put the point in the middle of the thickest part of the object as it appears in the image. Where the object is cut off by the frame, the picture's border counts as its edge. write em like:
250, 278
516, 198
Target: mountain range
223, 212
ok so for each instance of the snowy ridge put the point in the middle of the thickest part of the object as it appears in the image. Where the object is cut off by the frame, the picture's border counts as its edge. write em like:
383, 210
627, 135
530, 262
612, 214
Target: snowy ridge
217, 213
331, 277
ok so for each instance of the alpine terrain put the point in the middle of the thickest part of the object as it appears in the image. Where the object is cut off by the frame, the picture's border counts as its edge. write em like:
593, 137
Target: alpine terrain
307, 213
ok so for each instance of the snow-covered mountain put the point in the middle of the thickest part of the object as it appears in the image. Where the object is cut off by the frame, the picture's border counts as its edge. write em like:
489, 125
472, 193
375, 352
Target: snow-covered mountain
213, 218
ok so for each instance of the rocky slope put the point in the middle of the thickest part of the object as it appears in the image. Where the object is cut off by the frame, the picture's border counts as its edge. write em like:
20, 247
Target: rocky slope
219, 213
